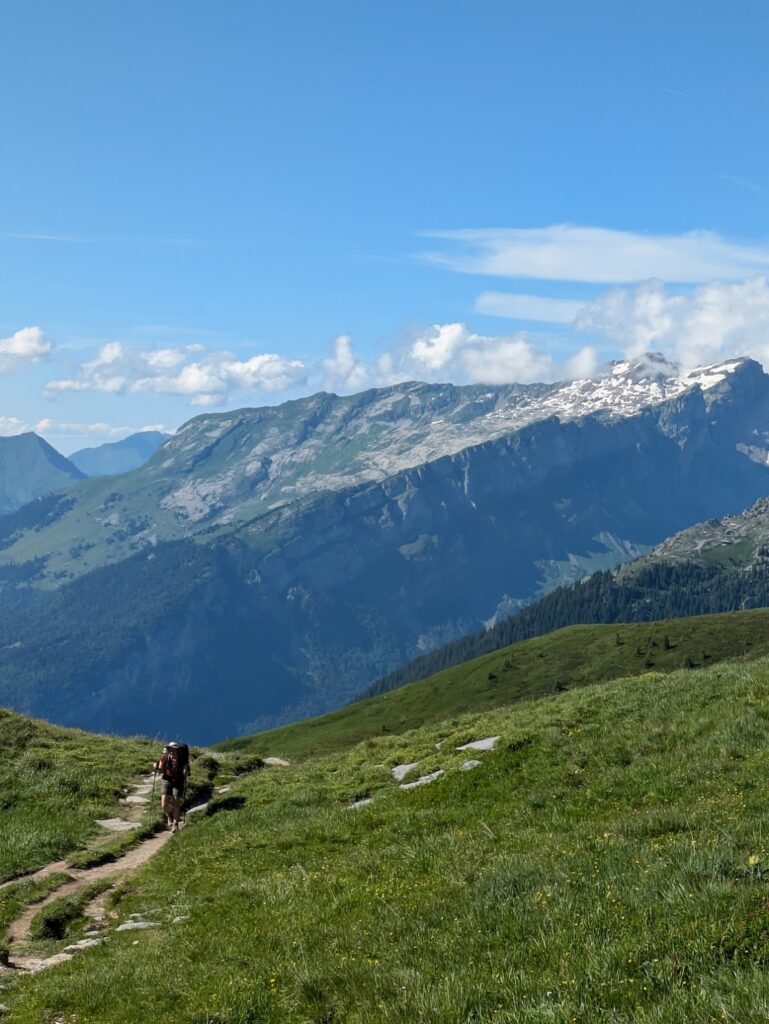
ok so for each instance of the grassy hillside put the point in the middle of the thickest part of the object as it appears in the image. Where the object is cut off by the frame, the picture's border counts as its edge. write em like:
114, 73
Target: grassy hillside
608, 862
53, 784
564, 659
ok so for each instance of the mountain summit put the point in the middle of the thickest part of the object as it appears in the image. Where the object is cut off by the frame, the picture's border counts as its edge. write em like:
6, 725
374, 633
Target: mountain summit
31, 468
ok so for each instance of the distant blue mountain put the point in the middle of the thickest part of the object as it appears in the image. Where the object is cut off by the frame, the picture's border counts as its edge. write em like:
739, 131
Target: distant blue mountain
119, 456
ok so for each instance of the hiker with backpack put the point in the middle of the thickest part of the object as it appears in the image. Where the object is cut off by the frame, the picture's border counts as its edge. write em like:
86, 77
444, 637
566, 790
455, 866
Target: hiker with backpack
174, 768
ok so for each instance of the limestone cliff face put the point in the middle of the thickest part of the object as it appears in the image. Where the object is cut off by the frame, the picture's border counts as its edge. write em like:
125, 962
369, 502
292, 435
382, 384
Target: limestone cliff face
299, 609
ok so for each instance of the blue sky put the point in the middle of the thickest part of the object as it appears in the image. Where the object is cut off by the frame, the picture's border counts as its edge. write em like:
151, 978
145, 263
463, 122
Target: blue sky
211, 205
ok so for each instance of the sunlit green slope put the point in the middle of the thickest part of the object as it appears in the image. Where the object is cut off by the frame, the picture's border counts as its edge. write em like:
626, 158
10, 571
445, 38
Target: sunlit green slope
607, 862
561, 660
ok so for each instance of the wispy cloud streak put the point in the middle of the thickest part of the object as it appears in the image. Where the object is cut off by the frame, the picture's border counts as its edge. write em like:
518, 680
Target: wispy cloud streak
567, 252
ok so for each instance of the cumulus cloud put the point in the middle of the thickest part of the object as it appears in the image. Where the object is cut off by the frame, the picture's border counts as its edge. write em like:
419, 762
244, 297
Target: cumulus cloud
568, 252
29, 345
453, 352
342, 369
10, 426
582, 365
205, 378
717, 321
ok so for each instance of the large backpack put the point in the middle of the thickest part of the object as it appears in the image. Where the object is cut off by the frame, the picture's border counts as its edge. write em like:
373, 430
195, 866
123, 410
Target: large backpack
182, 754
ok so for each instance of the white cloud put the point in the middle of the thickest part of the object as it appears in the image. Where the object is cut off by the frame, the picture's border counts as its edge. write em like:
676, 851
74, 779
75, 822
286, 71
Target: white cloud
453, 352
717, 321
29, 345
439, 345
566, 252
528, 307
204, 378
10, 426
582, 365
343, 369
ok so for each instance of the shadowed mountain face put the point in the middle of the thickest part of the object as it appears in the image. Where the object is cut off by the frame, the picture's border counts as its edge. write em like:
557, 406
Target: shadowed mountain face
29, 469
119, 456
296, 610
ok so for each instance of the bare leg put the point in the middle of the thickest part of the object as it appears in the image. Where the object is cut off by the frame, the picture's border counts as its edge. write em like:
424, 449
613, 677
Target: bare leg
176, 809
167, 805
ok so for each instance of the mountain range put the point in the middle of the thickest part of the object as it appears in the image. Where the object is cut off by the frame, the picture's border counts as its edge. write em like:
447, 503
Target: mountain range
271, 563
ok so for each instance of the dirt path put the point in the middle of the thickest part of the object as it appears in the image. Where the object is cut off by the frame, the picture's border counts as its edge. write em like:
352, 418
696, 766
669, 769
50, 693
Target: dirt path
83, 877
135, 804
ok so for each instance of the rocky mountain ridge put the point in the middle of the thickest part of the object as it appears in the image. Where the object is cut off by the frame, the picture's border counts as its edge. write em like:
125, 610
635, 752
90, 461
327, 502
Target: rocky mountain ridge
220, 471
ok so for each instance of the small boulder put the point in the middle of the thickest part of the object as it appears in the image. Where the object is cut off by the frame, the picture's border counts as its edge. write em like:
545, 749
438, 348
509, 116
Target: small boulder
400, 771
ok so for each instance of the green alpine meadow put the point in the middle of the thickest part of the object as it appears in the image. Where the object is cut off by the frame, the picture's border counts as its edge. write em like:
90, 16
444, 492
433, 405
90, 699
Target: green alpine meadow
602, 857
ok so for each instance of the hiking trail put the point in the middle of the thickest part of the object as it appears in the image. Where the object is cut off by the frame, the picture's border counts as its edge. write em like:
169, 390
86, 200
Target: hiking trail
136, 803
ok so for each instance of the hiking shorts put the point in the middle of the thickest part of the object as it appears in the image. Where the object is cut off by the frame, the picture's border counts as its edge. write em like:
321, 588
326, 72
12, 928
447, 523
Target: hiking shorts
171, 788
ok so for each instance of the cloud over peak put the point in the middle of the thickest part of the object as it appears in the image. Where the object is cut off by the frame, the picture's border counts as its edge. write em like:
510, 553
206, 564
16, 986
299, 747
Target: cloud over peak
716, 321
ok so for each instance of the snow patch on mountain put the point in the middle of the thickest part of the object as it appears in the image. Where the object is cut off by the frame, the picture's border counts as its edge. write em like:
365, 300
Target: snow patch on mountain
279, 454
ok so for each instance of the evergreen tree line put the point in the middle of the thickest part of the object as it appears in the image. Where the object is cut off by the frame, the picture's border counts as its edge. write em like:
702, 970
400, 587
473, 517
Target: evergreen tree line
657, 591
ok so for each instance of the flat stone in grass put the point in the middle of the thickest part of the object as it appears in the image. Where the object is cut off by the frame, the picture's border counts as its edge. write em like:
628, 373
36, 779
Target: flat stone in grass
400, 771
468, 765
423, 780
135, 798
488, 744
276, 762
117, 824
360, 803
133, 926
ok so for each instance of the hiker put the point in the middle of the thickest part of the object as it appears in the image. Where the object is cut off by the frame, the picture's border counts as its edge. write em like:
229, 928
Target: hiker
174, 767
